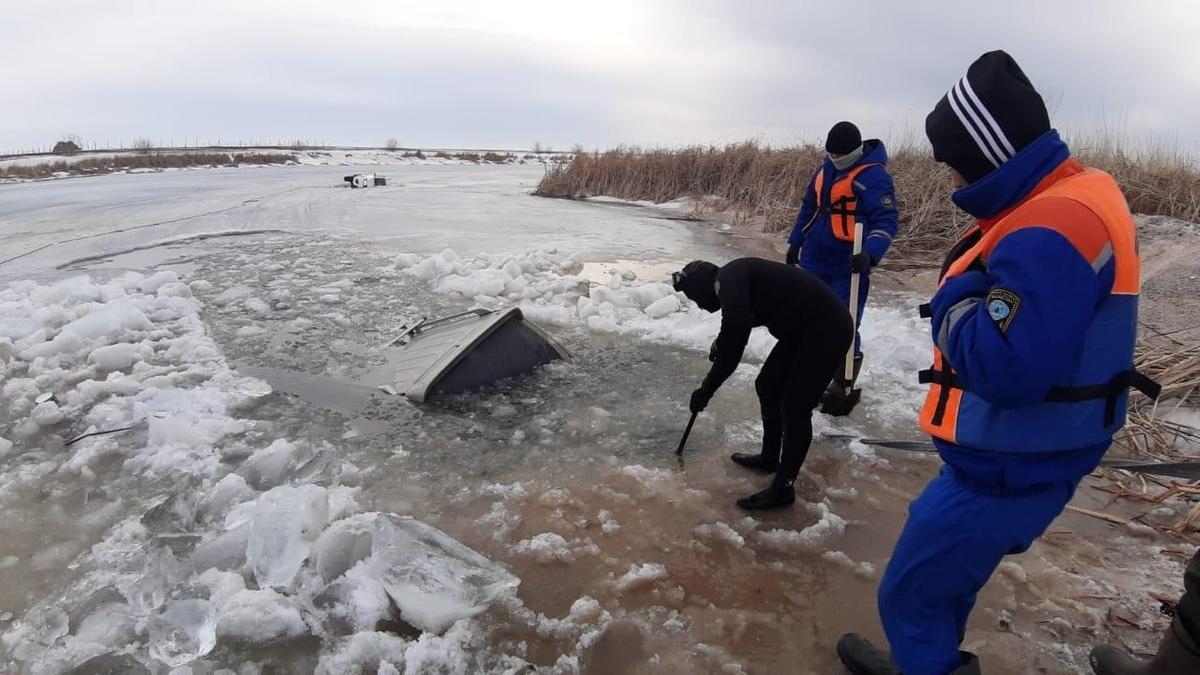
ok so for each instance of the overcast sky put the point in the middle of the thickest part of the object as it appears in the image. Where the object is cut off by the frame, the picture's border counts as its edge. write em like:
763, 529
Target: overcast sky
507, 73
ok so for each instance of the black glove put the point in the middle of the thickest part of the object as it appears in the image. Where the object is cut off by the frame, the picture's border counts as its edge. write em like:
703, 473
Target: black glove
861, 263
793, 255
712, 352
700, 399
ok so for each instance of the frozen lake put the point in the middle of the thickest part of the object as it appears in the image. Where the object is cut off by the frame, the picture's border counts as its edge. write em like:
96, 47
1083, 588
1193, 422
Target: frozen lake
427, 208
265, 510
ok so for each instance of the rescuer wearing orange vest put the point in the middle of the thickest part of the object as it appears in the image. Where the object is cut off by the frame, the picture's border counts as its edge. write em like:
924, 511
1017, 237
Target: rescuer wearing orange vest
1033, 329
851, 186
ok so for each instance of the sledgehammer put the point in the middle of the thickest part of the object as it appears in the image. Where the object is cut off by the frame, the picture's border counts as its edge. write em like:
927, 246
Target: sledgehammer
841, 403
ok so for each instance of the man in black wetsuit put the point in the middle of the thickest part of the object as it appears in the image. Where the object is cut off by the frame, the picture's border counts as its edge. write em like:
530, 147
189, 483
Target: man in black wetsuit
814, 333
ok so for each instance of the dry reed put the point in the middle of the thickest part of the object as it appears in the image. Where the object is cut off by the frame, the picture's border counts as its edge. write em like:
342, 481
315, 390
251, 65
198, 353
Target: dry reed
125, 162
763, 186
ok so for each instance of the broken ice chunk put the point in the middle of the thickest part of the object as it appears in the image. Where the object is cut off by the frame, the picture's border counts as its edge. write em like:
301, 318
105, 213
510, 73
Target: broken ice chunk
183, 632
663, 306
41, 630
641, 576
115, 357
343, 545
111, 625
260, 617
110, 664
285, 524
434, 579
227, 551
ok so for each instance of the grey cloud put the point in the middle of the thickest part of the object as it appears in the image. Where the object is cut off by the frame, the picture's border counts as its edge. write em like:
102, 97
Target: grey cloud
702, 71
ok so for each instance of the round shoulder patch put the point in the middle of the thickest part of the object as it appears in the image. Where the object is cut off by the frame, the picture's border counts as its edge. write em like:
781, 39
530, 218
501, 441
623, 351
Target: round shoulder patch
1002, 306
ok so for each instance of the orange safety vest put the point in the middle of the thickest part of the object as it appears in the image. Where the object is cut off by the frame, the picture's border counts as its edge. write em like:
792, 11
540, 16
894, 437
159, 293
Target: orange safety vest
843, 204
1088, 406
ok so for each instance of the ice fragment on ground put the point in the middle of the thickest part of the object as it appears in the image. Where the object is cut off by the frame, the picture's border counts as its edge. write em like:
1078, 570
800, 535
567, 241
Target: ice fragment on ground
225, 552
510, 491
721, 532
554, 497
112, 625
1014, 571
5, 448
116, 357
231, 294
42, 628
110, 664
405, 260
260, 617
608, 524
363, 653
232, 489
117, 317
153, 282
584, 610
640, 576
222, 586
257, 305
649, 479
500, 521
842, 493
66, 342
269, 466
285, 523
434, 579
174, 515
546, 547
662, 307
184, 631
829, 524
343, 544
863, 569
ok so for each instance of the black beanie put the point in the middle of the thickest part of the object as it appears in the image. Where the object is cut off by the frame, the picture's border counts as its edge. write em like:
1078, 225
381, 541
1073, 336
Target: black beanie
843, 139
696, 281
987, 117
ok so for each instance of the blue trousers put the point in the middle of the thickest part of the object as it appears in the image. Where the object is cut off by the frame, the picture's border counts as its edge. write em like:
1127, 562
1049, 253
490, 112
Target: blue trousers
954, 539
840, 284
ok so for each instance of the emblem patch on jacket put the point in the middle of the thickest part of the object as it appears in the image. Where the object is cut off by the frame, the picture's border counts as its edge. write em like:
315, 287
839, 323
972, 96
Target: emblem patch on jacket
887, 202
1002, 306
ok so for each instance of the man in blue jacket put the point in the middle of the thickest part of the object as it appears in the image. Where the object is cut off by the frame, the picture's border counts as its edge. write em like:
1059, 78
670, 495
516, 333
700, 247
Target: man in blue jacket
1034, 324
852, 185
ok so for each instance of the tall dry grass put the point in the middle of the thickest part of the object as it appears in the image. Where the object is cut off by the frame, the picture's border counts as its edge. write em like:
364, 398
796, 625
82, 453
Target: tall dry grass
763, 186
125, 162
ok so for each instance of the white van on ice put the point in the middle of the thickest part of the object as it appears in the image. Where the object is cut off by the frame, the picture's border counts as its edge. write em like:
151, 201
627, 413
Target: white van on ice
362, 180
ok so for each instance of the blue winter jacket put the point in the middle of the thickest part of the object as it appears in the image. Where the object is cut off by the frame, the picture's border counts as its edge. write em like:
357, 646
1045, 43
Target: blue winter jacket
823, 253
1059, 292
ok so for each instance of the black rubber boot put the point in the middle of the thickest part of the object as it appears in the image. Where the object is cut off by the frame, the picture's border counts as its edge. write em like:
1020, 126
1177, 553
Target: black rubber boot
756, 461
778, 495
1177, 655
838, 385
862, 658
970, 665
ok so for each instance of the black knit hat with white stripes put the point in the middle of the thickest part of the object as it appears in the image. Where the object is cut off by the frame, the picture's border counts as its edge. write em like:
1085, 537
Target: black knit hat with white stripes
987, 117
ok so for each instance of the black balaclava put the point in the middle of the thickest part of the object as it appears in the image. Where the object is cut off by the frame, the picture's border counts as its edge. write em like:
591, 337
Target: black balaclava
986, 118
697, 281
843, 139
